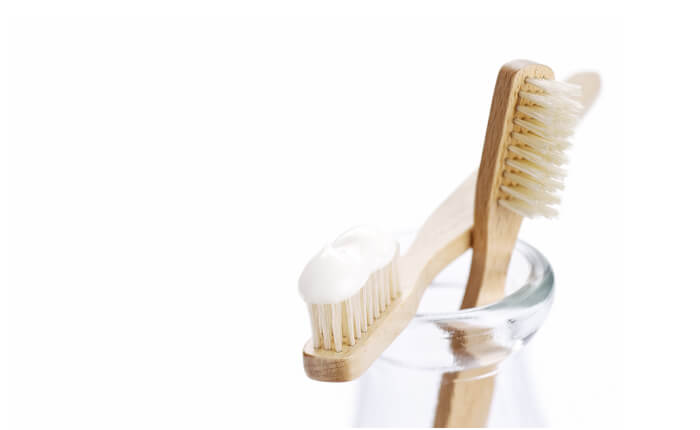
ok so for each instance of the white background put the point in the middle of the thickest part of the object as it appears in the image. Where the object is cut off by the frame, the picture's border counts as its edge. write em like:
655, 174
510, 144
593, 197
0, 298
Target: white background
171, 170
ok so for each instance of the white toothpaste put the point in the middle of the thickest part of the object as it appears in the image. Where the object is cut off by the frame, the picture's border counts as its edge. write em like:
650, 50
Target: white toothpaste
342, 267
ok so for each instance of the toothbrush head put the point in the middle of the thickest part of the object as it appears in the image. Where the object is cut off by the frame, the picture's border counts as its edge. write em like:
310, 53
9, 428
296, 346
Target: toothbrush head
348, 285
545, 116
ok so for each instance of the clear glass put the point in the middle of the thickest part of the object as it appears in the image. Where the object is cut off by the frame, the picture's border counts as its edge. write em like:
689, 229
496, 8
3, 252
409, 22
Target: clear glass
403, 387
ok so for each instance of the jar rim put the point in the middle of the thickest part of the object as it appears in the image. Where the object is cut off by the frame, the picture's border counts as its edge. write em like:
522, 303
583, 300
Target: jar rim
476, 337
538, 289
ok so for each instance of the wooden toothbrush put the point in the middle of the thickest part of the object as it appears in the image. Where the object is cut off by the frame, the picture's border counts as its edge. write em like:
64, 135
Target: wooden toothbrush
445, 235
520, 174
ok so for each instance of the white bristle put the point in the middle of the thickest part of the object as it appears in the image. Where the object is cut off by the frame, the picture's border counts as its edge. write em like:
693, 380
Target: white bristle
343, 323
546, 115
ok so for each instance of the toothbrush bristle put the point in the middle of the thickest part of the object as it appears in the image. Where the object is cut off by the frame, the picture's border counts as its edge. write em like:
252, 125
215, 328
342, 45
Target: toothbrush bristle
343, 323
546, 115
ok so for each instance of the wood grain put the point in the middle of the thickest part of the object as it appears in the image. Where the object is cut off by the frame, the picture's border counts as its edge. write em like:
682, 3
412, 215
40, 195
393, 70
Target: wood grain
465, 398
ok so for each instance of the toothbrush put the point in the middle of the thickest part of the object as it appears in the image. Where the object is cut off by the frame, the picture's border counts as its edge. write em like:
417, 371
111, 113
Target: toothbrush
520, 174
445, 236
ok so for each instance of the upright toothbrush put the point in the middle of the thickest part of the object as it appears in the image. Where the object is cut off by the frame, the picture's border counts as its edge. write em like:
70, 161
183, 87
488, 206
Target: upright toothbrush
532, 116
521, 173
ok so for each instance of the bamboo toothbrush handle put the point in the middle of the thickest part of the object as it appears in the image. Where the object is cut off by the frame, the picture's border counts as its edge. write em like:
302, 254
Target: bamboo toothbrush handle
464, 399
490, 260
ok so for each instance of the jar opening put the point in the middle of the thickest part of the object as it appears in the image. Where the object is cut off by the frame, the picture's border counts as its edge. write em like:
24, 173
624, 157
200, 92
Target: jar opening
530, 280
443, 337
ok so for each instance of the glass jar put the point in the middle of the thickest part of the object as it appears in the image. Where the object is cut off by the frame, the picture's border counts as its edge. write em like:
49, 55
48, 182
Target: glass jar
463, 368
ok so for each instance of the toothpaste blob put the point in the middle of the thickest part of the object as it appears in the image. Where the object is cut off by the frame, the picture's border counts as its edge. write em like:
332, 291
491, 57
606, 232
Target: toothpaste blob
332, 276
342, 267
348, 285
376, 247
